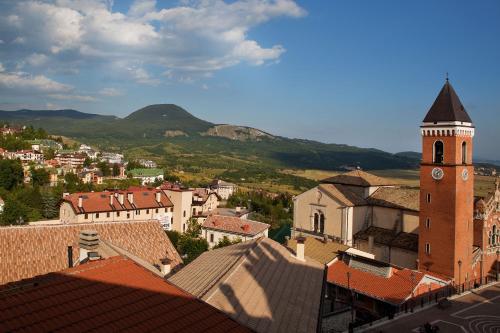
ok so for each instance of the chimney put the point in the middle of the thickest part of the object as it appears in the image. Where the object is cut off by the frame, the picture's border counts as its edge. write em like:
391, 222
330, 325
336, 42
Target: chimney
165, 266
300, 248
120, 198
158, 196
111, 199
70, 256
80, 201
88, 242
238, 209
130, 197
246, 227
370, 244
65, 194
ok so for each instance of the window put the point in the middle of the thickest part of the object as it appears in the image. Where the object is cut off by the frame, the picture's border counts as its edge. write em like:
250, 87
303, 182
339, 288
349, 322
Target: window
184, 214
86, 216
128, 215
117, 214
147, 211
171, 209
321, 223
183, 227
211, 238
428, 198
97, 215
438, 152
316, 222
464, 152
194, 211
107, 214
156, 210
427, 248
428, 223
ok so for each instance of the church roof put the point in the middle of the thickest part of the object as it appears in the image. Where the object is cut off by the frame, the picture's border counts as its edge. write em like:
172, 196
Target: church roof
447, 107
358, 178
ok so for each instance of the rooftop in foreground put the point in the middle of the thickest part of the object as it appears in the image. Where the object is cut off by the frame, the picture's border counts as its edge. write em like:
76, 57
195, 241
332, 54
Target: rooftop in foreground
115, 294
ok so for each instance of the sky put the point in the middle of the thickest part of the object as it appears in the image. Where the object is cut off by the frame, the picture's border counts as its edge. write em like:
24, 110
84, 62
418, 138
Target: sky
362, 73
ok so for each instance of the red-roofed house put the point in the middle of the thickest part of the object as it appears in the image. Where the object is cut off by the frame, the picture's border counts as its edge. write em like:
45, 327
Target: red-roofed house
216, 227
378, 289
111, 295
112, 206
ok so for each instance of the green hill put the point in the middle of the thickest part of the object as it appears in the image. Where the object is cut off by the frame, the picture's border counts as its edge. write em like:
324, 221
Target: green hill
175, 138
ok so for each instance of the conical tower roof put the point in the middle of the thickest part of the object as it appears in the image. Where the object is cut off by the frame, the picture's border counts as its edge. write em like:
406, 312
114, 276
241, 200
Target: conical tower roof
447, 107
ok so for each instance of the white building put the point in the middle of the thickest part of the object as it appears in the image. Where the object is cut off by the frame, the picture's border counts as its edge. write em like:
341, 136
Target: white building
223, 189
216, 227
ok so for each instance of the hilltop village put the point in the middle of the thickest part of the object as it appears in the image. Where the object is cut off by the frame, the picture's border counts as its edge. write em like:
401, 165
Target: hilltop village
153, 253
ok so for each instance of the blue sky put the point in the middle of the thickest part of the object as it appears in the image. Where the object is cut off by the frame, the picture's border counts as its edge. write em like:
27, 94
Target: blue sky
357, 72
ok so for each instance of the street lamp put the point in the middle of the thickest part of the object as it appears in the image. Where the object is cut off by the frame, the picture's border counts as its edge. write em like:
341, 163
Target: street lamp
350, 295
498, 273
459, 275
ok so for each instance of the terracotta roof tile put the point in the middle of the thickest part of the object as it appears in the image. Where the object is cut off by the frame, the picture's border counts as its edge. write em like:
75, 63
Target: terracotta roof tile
396, 197
343, 194
28, 251
259, 283
114, 294
358, 178
318, 250
403, 240
142, 198
235, 225
394, 289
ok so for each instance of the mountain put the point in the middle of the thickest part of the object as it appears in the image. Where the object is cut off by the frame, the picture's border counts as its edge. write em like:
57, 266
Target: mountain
176, 138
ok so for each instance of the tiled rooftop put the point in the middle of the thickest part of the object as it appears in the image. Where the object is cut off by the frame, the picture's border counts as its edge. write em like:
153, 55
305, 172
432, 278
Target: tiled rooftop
259, 283
316, 249
402, 240
109, 295
28, 251
358, 178
234, 225
395, 287
143, 198
395, 197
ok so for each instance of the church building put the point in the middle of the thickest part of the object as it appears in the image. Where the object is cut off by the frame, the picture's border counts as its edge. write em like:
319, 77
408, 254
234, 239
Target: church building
441, 228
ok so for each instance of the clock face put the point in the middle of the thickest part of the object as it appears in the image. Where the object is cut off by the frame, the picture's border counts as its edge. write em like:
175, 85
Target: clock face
437, 173
465, 174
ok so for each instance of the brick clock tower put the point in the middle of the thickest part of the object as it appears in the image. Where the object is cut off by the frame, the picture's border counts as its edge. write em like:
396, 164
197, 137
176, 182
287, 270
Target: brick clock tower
447, 189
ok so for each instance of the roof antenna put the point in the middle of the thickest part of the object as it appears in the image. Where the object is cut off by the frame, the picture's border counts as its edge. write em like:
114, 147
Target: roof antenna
447, 77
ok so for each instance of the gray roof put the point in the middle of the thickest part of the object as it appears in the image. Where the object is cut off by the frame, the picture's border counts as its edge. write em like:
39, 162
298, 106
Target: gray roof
259, 283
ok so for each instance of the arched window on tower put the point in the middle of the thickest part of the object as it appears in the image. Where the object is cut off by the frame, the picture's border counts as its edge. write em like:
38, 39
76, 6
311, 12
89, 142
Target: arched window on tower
321, 223
316, 222
464, 152
438, 152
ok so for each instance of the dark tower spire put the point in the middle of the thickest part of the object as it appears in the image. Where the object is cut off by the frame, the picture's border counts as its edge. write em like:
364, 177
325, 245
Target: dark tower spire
447, 107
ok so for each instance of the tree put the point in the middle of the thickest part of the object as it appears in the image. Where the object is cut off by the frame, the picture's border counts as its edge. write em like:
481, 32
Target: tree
104, 167
116, 169
39, 177
225, 241
49, 153
11, 174
190, 247
14, 213
87, 162
50, 205
193, 228
173, 236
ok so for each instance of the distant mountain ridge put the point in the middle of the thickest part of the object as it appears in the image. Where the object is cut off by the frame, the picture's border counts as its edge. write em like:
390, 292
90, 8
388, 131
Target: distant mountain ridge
171, 133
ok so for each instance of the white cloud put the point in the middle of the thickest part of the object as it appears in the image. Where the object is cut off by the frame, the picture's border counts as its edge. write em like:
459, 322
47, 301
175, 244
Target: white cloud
73, 97
37, 59
111, 92
200, 36
21, 81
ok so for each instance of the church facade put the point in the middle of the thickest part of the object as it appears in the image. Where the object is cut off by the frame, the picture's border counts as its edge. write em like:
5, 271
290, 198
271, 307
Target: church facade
440, 228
